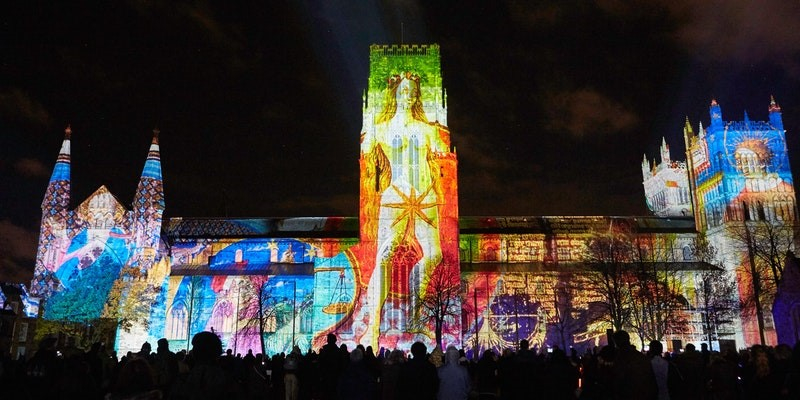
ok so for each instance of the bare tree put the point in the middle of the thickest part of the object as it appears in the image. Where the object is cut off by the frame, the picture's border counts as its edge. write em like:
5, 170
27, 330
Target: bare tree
260, 310
763, 245
715, 291
658, 307
566, 318
608, 258
716, 299
437, 300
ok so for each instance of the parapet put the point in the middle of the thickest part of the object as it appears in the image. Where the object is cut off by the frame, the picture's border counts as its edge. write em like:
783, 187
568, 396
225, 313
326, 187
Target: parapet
404, 49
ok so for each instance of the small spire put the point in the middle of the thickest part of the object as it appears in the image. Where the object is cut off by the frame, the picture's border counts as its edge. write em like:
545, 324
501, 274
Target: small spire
68, 132
773, 105
156, 132
713, 102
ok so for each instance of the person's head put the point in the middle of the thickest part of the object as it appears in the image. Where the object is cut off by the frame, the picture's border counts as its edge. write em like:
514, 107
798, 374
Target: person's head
452, 355
419, 350
146, 348
163, 344
206, 347
622, 339
656, 348
703, 346
523, 344
331, 338
136, 376
356, 355
396, 357
690, 348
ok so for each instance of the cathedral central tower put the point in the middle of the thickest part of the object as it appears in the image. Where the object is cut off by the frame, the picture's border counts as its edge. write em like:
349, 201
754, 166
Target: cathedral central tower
408, 212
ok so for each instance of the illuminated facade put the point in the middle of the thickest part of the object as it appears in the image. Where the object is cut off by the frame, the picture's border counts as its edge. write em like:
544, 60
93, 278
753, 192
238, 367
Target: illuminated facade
364, 279
666, 185
744, 197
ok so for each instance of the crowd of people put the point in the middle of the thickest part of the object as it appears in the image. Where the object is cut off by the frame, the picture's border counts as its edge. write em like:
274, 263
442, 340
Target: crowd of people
616, 371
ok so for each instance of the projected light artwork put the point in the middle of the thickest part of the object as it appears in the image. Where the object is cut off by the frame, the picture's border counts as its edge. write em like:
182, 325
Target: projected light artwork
87, 257
407, 268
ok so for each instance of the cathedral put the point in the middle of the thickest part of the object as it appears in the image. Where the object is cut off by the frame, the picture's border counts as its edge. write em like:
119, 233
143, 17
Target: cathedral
409, 267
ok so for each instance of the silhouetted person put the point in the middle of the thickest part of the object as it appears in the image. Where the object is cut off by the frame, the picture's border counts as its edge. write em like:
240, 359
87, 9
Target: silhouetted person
390, 374
487, 374
135, 381
633, 376
205, 380
357, 382
418, 378
561, 377
454, 382
165, 365
291, 373
723, 381
330, 365
661, 369
690, 364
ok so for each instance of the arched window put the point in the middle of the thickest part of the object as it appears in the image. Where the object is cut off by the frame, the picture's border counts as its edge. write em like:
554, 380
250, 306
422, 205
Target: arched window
414, 150
687, 253
176, 321
397, 150
222, 317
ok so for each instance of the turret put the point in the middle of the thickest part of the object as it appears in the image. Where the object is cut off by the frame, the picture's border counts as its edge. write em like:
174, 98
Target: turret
775, 118
645, 168
688, 134
664, 152
716, 115
56, 198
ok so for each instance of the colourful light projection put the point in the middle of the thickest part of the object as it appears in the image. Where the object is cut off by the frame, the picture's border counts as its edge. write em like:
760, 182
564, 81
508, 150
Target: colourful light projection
85, 254
740, 172
408, 210
269, 284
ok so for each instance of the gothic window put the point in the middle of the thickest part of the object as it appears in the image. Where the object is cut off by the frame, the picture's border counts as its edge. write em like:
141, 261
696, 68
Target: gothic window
397, 150
746, 211
748, 162
176, 321
687, 253
414, 150
760, 210
306, 323
222, 317
271, 324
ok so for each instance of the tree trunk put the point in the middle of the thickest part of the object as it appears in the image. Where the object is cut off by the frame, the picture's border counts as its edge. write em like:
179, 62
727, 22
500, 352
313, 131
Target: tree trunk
756, 285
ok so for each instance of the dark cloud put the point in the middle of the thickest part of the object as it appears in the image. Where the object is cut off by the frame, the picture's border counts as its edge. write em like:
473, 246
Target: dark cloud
17, 252
31, 168
15, 103
588, 112
741, 30
17, 242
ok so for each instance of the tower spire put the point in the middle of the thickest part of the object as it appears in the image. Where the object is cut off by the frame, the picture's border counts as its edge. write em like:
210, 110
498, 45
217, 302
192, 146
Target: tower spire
664, 151
775, 118
148, 204
56, 197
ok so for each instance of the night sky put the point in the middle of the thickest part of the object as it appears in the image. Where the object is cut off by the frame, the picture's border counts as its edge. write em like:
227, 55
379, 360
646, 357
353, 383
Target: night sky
551, 105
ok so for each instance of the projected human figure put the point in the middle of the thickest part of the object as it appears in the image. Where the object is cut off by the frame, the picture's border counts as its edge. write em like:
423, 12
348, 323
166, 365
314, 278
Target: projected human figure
407, 237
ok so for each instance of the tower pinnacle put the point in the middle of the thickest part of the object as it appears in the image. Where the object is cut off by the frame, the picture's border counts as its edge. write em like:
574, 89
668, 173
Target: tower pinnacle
56, 197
